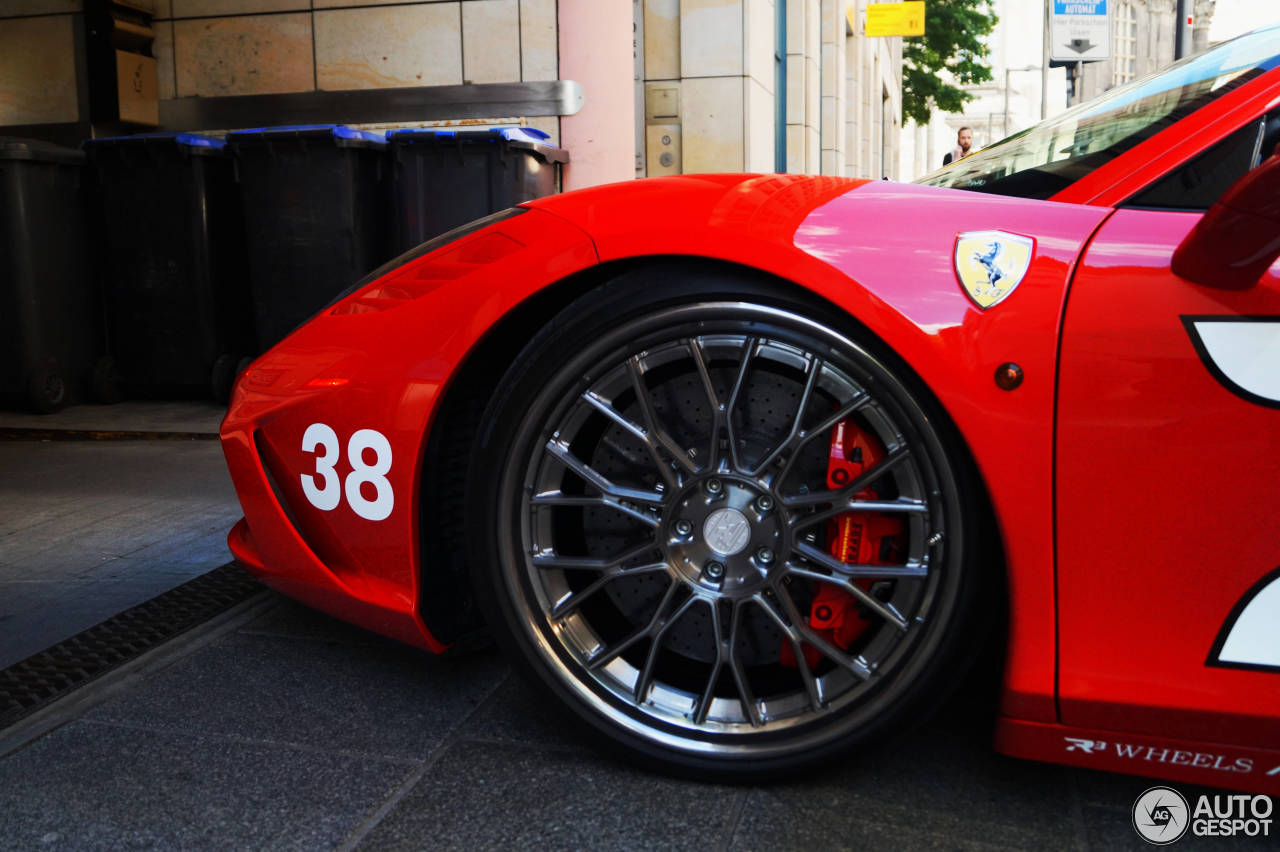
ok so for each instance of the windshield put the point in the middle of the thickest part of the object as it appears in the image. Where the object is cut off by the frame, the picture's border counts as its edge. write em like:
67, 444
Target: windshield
1042, 160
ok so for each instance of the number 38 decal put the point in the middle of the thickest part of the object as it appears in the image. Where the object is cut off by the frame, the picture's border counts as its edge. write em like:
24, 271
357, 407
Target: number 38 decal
324, 488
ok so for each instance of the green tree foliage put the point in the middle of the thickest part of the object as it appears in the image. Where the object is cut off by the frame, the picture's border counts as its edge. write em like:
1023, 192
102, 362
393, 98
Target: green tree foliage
952, 40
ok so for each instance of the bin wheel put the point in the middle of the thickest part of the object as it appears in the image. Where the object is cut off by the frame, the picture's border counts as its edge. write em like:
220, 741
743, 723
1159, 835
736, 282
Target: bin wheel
104, 381
222, 376
46, 390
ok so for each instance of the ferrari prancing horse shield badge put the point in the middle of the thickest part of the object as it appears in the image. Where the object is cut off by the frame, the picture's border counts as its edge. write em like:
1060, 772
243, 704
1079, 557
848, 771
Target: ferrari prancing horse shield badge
991, 264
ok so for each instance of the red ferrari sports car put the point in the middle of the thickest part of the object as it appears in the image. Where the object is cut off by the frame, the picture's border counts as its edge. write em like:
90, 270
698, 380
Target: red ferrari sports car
741, 469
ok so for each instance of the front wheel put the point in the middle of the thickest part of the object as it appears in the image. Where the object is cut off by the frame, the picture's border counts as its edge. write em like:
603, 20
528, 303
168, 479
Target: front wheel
725, 534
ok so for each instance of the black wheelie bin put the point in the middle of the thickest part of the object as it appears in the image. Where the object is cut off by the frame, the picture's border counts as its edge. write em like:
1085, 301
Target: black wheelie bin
50, 304
315, 204
444, 178
177, 293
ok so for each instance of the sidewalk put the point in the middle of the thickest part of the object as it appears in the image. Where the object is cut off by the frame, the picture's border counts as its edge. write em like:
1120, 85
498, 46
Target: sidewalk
133, 416
89, 528
294, 731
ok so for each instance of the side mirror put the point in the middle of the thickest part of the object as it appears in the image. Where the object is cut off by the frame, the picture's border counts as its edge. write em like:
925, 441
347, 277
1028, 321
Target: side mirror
1239, 238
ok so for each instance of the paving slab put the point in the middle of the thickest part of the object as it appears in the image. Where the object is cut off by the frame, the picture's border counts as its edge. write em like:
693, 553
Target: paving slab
90, 528
481, 795
294, 620
516, 713
298, 731
91, 786
950, 784
386, 700
838, 830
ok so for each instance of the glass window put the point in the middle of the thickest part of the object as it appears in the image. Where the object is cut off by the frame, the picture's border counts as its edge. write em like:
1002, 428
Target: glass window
1197, 184
1124, 51
1047, 158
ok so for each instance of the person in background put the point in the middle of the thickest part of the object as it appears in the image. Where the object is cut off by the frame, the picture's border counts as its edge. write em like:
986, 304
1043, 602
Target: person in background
964, 139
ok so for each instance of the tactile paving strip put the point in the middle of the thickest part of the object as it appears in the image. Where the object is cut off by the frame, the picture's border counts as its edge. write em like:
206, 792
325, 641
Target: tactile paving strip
41, 678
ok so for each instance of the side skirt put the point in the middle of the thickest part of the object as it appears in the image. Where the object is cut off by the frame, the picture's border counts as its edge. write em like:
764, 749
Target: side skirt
1253, 770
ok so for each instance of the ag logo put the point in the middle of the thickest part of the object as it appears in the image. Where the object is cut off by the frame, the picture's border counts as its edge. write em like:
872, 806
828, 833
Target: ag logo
1161, 816
991, 264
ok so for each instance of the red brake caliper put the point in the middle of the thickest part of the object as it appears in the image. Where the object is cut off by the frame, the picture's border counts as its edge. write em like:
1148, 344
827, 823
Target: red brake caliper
856, 538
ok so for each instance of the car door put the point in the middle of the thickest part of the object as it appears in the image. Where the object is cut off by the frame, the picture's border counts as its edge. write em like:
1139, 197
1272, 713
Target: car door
1168, 477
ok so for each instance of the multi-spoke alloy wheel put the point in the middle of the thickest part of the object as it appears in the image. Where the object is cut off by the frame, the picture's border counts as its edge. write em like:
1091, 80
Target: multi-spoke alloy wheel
721, 532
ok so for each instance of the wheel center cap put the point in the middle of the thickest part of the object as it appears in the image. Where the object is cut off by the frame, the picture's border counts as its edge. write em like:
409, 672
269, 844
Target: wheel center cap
727, 531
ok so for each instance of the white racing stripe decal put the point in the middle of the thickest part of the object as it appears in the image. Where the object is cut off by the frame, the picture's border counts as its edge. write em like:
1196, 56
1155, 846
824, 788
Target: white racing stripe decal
1243, 353
1255, 637
1250, 637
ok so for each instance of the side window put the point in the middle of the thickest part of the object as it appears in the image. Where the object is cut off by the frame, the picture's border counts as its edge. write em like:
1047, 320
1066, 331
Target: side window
1197, 184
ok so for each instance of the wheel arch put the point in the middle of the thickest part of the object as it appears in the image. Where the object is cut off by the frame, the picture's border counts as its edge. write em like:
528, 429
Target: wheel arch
445, 597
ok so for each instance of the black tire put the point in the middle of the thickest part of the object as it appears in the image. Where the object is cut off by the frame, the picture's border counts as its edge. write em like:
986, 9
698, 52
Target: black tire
564, 490
46, 390
104, 381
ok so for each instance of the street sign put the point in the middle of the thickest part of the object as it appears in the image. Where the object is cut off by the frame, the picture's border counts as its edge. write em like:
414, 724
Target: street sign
1079, 31
895, 19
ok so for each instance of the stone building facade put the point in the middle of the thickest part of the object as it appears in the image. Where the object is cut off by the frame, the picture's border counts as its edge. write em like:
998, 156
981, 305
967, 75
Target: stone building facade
764, 85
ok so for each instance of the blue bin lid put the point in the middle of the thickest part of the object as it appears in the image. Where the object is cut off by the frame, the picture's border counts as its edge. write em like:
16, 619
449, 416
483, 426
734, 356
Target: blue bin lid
186, 140
530, 134
528, 138
339, 132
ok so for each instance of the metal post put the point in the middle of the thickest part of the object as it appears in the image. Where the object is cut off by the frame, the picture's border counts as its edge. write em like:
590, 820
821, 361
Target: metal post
1006, 99
883, 101
1044, 67
1007, 83
780, 88
1181, 32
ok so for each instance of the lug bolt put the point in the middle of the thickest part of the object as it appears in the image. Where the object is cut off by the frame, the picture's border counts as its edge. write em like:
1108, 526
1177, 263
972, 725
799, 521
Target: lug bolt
714, 570
714, 486
683, 528
764, 503
764, 556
